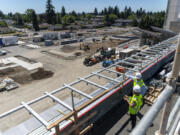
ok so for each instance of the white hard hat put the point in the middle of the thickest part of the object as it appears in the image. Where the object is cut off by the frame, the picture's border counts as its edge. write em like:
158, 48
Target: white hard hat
109, 49
138, 75
137, 89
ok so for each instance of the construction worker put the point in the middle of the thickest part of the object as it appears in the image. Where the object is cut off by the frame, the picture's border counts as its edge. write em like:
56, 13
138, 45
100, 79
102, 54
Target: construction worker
139, 81
135, 102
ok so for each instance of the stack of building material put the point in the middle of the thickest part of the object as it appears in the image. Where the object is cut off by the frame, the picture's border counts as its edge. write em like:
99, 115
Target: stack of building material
48, 42
65, 35
50, 36
38, 38
8, 40
126, 53
70, 41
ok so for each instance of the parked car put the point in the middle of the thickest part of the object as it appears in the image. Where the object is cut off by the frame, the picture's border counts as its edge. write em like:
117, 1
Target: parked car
2, 52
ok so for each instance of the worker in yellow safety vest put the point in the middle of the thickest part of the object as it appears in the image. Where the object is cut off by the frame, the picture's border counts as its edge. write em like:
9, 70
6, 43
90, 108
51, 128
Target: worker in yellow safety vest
135, 102
139, 81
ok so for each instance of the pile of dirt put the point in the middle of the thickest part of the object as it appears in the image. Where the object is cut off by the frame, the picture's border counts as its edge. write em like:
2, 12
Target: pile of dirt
78, 54
22, 78
41, 74
10, 71
68, 48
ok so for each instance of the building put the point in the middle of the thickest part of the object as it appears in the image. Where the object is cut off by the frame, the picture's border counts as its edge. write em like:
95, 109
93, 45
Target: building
5, 30
173, 16
122, 22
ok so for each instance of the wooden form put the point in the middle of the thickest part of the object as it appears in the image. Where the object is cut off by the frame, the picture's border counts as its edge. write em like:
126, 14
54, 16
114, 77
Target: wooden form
152, 94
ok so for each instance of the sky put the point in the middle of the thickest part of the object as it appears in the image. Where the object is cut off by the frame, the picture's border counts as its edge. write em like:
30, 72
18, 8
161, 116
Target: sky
80, 5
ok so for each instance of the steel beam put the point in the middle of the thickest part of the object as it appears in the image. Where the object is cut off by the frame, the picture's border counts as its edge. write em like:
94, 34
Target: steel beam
59, 101
113, 71
103, 76
95, 84
129, 63
36, 115
78, 91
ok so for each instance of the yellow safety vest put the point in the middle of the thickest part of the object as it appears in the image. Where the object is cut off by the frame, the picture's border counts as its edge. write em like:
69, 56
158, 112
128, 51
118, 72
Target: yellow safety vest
140, 83
138, 101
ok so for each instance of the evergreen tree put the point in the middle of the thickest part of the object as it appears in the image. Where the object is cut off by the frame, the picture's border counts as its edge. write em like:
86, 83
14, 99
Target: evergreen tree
50, 13
63, 11
110, 10
74, 13
105, 11
83, 14
116, 11
19, 20
35, 21
95, 11
2, 14
58, 17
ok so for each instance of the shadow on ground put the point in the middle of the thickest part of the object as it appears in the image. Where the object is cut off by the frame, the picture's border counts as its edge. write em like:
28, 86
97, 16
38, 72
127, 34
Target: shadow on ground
102, 126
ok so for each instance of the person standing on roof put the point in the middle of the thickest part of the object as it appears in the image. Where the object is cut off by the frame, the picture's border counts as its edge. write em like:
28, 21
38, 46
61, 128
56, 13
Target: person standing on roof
139, 81
135, 102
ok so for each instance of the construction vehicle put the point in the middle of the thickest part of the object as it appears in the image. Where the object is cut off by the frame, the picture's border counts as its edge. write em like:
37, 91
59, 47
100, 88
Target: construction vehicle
107, 53
107, 62
84, 47
89, 61
7, 84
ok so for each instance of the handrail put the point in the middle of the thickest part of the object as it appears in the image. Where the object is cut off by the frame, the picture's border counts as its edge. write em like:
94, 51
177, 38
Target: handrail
153, 112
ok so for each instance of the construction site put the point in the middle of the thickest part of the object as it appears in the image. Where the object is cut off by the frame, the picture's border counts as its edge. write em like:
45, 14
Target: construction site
74, 82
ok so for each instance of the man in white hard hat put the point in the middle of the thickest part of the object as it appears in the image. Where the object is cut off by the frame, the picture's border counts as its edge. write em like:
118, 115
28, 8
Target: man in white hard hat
135, 102
139, 81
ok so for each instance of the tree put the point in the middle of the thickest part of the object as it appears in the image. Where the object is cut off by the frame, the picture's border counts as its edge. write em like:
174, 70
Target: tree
10, 15
95, 11
19, 20
50, 13
127, 12
83, 14
110, 19
116, 11
35, 21
105, 11
3, 24
63, 11
58, 17
110, 10
88, 16
29, 13
2, 14
67, 19
74, 13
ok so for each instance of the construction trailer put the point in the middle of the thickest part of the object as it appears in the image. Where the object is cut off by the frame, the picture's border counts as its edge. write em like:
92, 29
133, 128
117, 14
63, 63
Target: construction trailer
78, 115
50, 36
8, 40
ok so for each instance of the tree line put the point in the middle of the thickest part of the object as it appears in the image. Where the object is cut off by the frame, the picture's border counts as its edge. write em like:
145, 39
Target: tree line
140, 17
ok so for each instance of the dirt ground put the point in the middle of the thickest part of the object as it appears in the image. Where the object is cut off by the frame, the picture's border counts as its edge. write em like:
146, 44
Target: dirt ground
65, 71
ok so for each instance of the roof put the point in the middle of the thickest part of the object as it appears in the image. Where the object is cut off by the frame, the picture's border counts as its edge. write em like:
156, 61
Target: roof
123, 21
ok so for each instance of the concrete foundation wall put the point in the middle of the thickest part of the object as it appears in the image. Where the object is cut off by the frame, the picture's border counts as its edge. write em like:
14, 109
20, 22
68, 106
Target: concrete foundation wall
175, 26
117, 95
173, 10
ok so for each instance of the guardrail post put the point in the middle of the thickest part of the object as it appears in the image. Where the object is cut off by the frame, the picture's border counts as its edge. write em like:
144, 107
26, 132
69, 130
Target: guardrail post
75, 115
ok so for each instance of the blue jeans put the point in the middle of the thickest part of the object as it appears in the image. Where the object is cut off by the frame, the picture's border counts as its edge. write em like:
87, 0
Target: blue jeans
143, 90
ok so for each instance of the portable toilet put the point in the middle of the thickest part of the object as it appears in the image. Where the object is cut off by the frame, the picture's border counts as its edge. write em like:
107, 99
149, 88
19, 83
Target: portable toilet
1, 42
